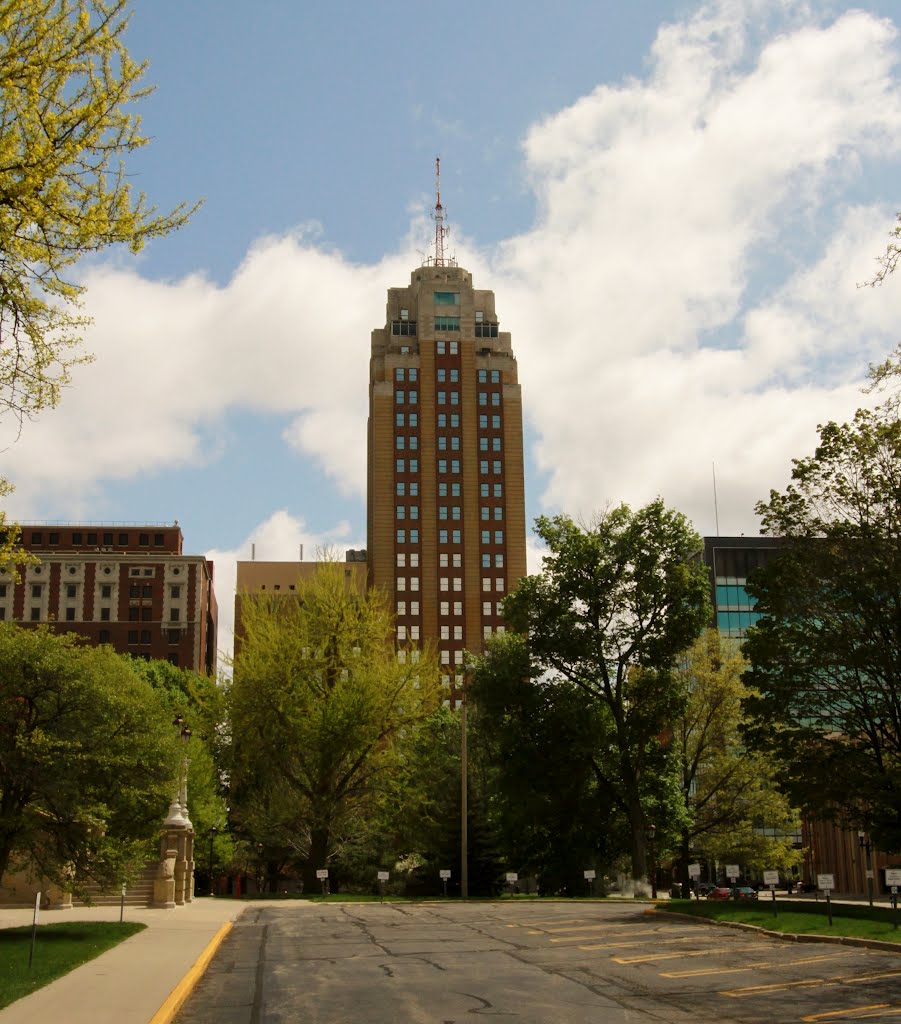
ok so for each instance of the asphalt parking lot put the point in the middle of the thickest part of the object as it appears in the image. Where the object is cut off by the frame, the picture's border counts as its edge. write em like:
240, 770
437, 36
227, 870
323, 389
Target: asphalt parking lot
554, 963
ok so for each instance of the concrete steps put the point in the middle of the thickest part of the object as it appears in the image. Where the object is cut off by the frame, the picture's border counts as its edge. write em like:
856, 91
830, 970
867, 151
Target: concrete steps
138, 894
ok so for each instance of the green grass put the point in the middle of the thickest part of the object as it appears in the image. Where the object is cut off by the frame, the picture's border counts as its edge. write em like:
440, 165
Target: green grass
809, 918
58, 949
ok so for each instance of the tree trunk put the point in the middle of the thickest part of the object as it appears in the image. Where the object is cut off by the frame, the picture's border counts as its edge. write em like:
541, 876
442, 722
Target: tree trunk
638, 840
316, 858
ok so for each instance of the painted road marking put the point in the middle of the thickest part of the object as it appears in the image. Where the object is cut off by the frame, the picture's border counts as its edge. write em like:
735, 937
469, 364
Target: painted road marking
627, 945
835, 1014
701, 971
657, 956
738, 993
587, 927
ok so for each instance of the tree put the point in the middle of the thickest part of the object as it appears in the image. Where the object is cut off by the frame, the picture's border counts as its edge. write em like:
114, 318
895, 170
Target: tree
68, 88
535, 741
67, 93
88, 758
826, 656
888, 261
615, 604
734, 809
317, 705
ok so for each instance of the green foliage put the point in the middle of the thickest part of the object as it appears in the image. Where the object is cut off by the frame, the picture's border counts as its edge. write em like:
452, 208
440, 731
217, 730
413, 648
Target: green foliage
534, 742
826, 656
317, 708
67, 93
87, 757
729, 792
615, 604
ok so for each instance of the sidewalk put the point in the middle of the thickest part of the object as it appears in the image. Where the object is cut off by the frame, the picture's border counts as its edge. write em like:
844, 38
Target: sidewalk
127, 984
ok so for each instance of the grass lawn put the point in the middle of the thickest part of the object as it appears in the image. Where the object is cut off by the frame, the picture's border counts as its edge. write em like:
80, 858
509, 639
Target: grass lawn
857, 921
58, 949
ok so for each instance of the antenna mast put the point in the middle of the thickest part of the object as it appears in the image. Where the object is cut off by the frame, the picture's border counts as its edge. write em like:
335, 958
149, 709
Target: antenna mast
440, 229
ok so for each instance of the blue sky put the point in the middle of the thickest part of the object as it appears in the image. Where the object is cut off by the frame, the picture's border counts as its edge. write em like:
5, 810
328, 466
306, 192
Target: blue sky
672, 202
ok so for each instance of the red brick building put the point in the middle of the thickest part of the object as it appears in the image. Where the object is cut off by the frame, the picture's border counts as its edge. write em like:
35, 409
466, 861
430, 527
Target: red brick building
127, 585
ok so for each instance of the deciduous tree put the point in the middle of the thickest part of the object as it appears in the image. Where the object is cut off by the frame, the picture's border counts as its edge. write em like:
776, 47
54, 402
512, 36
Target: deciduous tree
88, 757
615, 604
826, 656
318, 701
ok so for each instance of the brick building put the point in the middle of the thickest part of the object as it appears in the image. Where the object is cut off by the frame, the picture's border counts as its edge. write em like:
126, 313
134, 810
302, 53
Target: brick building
130, 586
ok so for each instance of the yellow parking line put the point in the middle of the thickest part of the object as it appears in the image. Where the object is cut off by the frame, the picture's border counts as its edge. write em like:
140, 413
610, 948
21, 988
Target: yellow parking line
628, 945
824, 982
584, 928
653, 956
750, 967
833, 1014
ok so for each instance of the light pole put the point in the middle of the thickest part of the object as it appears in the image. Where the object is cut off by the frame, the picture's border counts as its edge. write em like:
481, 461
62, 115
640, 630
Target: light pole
464, 789
652, 869
178, 809
863, 841
213, 833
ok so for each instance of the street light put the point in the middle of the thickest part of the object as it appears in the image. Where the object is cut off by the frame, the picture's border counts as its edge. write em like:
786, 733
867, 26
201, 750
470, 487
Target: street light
178, 809
863, 841
213, 833
651, 833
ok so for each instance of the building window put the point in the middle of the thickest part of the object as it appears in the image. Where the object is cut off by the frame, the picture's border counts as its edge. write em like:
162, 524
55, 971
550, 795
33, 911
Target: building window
414, 536
455, 466
174, 614
457, 560
483, 490
412, 397
414, 607
442, 511
483, 467
454, 397
440, 347
104, 614
486, 330
132, 636
37, 537
454, 347
414, 465
107, 538
442, 536
498, 536
146, 590
486, 583
483, 444
442, 560
455, 511
401, 559
400, 466
414, 511
401, 583
134, 613
486, 561
104, 636
454, 376
486, 536
484, 512
76, 538
414, 559
483, 376
401, 607
483, 398
499, 584
399, 397
413, 419
496, 398
158, 539
495, 467
106, 591
445, 632
398, 419
403, 328
446, 298
455, 443
447, 323
498, 490
54, 538
495, 444
400, 512
399, 373
496, 420
35, 614
172, 657
123, 539
441, 375
145, 636
36, 590
401, 536
442, 465
442, 398
443, 583
442, 443
71, 590
400, 488
455, 536
458, 583
499, 561
70, 615
144, 539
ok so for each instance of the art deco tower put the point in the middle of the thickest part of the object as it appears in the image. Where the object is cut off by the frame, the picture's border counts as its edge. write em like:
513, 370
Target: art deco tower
445, 497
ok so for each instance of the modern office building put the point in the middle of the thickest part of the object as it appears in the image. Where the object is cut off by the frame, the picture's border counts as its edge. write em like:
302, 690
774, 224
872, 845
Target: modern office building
730, 561
445, 496
130, 586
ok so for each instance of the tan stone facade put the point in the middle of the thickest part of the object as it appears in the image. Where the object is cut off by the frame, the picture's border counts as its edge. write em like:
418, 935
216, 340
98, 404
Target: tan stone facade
445, 495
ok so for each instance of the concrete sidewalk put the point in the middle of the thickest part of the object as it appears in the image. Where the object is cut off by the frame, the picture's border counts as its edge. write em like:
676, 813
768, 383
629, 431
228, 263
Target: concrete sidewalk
127, 984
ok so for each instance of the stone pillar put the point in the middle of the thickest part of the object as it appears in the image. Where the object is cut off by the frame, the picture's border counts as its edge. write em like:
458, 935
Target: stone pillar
189, 866
164, 883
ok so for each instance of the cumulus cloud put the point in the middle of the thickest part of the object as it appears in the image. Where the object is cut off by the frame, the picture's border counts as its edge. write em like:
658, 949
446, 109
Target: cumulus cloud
686, 296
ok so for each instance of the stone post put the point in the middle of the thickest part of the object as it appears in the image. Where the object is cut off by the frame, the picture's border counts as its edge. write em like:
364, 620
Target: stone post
164, 883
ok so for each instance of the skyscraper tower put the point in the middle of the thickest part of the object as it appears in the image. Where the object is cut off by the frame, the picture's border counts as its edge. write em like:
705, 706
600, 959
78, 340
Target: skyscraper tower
445, 495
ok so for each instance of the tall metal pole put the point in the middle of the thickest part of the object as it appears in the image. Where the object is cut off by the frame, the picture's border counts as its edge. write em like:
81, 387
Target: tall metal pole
464, 801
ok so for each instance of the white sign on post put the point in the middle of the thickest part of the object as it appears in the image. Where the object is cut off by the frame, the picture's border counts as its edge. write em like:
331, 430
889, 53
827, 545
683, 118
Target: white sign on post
590, 875
771, 878
732, 871
383, 876
826, 882
444, 873
512, 876
694, 870
321, 873
893, 876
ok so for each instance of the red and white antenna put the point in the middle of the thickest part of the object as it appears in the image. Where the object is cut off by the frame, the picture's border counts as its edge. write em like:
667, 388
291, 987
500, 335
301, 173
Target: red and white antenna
440, 229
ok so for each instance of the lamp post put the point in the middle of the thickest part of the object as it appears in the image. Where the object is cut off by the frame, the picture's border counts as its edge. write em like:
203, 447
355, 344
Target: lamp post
213, 833
178, 809
468, 669
652, 868
863, 841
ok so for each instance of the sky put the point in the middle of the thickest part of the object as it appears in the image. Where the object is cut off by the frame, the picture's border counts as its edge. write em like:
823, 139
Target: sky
674, 203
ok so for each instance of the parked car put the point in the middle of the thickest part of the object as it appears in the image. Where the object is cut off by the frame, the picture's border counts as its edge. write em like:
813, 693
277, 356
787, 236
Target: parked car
744, 892
703, 888
720, 892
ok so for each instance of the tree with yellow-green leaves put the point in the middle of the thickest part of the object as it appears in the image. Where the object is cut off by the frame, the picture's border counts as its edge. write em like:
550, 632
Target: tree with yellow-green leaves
68, 88
317, 709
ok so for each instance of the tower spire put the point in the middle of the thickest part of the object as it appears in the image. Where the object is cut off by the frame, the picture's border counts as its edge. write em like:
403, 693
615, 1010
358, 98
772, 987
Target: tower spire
440, 229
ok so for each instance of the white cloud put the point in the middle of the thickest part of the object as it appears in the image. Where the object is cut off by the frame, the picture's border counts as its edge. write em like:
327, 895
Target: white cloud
686, 296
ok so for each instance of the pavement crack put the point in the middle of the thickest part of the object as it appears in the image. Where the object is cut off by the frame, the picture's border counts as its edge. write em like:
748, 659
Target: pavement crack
486, 1007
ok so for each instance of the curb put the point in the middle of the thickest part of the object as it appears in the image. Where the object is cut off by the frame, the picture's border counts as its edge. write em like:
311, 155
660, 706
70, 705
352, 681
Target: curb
185, 987
837, 940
